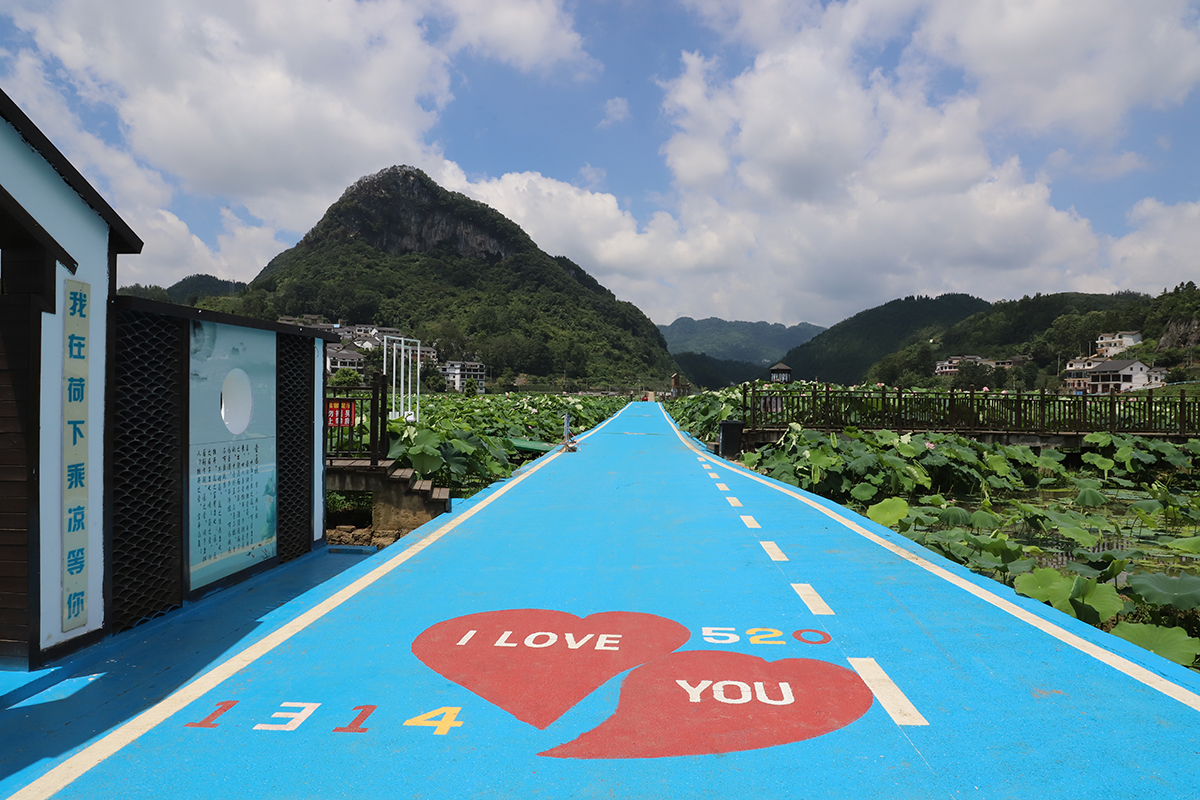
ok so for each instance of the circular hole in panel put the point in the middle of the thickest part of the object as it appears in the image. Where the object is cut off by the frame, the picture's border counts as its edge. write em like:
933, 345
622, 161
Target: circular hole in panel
237, 403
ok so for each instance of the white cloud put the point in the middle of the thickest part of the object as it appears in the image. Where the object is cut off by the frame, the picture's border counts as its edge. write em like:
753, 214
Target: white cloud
272, 106
528, 34
1077, 65
1161, 251
593, 177
616, 110
808, 186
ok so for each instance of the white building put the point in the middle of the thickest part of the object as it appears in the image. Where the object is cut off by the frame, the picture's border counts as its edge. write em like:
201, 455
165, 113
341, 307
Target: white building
1110, 344
1093, 375
343, 356
457, 373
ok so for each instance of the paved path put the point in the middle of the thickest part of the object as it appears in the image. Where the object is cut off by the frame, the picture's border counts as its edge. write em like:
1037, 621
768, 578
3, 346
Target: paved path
639, 620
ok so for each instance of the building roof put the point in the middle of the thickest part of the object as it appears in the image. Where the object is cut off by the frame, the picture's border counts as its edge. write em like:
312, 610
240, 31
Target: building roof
780, 366
124, 240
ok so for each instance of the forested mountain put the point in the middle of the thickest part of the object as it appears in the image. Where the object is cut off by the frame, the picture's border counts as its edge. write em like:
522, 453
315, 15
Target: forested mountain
398, 250
1044, 331
187, 291
705, 372
844, 352
757, 342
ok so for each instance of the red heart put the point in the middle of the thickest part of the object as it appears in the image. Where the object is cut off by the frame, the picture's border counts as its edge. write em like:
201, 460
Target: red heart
724, 707
537, 664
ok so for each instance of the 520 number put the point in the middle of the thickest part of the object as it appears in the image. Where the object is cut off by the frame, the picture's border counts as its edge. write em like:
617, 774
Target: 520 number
757, 635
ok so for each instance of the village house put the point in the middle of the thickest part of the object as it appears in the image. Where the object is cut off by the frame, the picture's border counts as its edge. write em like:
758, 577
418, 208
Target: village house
1110, 344
1092, 375
457, 373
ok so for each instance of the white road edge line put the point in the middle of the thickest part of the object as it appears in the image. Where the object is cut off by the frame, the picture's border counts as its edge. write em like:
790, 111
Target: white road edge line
1119, 663
62, 775
814, 601
773, 550
887, 692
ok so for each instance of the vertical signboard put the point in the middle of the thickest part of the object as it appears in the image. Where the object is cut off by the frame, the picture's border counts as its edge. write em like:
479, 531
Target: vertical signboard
231, 451
77, 516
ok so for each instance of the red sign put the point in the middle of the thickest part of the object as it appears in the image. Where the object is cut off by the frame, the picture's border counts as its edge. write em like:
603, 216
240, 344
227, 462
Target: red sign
339, 413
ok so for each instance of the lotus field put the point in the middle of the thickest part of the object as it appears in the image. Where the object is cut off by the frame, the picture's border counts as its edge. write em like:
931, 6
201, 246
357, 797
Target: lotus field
1109, 534
465, 443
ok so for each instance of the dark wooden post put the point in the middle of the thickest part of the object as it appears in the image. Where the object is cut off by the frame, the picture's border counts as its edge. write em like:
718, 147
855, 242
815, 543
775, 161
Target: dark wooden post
1112, 410
971, 409
1042, 411
374, 424
1182, 412
953, 411
828, 409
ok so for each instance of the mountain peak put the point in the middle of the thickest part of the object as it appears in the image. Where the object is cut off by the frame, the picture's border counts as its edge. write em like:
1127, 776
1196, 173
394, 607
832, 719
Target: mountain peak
401, 210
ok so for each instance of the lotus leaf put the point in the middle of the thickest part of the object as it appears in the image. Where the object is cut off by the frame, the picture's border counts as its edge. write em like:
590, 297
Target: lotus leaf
888, 512
1038, 583
1189, 545
1182, 592
954, 516
1090, 498
1172, 644
863, 492
985, 520
1075, 534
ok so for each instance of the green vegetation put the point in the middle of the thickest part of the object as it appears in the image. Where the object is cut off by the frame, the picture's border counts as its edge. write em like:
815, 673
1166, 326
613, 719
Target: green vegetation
706, 372
845, 352
1110, 535
188, 291
465, 442
398, 250
760, 343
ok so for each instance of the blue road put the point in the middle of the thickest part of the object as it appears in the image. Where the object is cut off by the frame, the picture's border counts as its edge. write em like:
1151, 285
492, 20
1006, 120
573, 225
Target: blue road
634, 619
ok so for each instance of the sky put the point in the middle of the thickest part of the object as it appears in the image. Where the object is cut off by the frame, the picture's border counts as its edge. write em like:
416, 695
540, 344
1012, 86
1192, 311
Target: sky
778, 160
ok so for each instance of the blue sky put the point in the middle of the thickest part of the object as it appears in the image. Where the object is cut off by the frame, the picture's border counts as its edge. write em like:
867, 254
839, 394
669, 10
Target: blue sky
778, 160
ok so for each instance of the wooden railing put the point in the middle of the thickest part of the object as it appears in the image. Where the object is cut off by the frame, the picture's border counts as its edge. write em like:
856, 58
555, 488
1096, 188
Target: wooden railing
826, 408
356, 423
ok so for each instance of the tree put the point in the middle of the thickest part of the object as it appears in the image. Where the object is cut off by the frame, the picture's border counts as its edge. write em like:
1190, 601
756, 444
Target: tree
433, 381
345, 377
470, 388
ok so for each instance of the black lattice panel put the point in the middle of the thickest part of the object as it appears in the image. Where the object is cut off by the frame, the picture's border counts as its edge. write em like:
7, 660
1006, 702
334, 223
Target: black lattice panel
149, 452
294, 444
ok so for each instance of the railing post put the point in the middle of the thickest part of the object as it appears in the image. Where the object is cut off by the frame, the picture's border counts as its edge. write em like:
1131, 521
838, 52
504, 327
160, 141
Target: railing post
1182, 412
828, 410
746, 413
1112, 410
374, 424
1042, 411
952, 412
972, 414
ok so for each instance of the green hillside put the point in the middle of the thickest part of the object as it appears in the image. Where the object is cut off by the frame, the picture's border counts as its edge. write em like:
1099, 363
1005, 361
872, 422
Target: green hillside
845, 352
398, 250
757, 342
1044, 331
705, 372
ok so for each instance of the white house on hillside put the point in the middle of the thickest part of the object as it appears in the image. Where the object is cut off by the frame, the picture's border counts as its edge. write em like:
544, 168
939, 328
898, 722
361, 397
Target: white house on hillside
1110, 344
457, 373
1104, 376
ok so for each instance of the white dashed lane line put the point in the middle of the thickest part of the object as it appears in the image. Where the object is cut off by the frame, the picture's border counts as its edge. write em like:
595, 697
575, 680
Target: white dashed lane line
772, 549
887, 692
813, 600
733, 501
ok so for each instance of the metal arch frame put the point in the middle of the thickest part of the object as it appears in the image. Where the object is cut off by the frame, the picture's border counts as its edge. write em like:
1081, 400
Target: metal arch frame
405, 374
